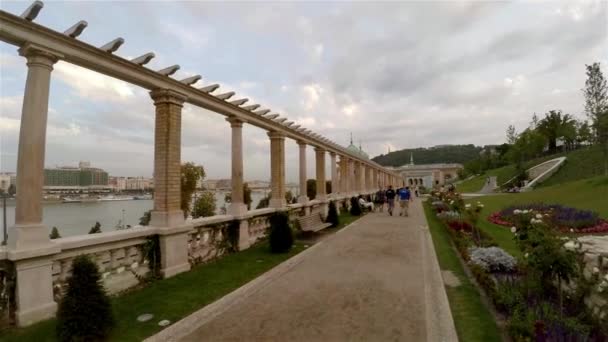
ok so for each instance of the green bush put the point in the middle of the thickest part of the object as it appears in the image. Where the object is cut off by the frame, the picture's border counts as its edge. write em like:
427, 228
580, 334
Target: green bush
281, 236
204, 206
84, 313
145, 220
54, 234
96, 228
355, 208
332, 215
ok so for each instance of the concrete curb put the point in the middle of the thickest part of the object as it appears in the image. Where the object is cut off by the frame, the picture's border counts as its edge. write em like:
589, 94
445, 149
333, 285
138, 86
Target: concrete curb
439, 320
190, 323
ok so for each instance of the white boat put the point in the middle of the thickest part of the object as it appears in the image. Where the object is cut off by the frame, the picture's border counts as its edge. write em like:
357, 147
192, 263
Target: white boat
113, 198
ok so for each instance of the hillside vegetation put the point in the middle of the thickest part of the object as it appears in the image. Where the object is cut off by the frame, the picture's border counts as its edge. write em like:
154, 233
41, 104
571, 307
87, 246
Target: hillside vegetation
580, 164
438, 154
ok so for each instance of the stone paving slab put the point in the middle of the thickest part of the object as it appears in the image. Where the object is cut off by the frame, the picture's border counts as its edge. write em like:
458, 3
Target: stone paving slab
376, 280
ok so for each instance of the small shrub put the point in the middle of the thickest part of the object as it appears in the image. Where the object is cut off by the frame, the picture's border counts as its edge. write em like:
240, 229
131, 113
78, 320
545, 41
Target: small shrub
281, 236
145, 219
493, 259
459, 226
54, 234
332, 214
204, 205
84, 313
355, 208
96, 228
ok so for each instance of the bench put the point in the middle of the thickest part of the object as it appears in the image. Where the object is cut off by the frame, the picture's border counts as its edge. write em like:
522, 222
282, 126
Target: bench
312, 223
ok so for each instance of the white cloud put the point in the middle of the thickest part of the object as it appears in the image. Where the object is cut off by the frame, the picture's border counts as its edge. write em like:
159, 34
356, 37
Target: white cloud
312, 95
93, 86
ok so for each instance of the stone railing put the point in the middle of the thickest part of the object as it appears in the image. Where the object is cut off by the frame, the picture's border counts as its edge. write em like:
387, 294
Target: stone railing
121, 256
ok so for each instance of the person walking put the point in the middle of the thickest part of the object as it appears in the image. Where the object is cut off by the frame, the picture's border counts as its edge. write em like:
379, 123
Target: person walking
404, 201
380, 199
390, 199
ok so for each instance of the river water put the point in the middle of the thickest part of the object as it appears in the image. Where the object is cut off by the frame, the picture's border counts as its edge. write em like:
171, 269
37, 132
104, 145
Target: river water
78, 218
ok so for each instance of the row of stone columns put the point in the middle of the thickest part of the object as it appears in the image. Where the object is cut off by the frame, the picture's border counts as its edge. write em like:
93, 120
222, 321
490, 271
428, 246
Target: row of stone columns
29, 246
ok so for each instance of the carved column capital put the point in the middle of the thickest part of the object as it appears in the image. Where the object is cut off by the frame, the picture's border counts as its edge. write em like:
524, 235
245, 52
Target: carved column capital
167, 96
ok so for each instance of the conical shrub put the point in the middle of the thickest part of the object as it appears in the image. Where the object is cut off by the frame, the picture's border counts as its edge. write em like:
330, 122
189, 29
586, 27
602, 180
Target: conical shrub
332, 214
281, 236
84, 313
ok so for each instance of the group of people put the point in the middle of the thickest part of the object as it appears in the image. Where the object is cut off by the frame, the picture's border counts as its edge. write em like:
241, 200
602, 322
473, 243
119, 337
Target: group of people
388, 196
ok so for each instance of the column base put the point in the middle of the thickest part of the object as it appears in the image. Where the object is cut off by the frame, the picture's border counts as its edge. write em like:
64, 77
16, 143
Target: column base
244, 238
40, 313
237, 209
34, 291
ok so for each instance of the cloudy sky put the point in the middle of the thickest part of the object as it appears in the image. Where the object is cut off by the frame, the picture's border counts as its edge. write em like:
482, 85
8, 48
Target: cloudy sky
397, 75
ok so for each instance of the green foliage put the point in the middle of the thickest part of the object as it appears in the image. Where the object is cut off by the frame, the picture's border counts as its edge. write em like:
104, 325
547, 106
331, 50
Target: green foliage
96, 228
190, 175
289, 197
264, 202
439, 154
332, 214
281, 235
247, 195
151, 252
355, 208
555, 124
204, 205
84, 313
12, 190
311, 188
145, 219
54, 234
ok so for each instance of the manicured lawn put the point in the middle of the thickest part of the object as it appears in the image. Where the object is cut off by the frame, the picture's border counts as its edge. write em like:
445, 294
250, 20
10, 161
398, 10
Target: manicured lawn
590, 194
580, 164
179, 296
472, 319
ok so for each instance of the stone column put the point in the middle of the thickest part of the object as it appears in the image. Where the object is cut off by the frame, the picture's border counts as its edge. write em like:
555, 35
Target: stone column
320, 168
343, 175
167, 214
277, 169
303, 198
29, 246
368, 179
334, 174
237, 205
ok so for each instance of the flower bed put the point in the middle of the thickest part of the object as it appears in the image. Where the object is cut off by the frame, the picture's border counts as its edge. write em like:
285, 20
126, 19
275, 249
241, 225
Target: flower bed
562, 218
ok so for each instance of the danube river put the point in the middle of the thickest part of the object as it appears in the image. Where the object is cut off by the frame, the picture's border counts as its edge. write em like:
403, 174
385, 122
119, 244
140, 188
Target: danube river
77, 218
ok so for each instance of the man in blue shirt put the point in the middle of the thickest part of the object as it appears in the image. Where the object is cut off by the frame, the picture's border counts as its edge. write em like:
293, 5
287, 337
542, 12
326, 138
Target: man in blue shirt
404, 200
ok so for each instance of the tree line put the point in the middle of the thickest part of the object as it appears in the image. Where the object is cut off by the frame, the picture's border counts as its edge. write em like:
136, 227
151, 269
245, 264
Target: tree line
555, 131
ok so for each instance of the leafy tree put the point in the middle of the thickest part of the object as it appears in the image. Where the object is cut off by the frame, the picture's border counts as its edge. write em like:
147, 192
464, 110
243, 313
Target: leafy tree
554, 125
85, 312
96, 228
281, 236
264, 202
311, 188
332, 214
511, 135
190, 175
204, 205
145, 219
583, 133
54, 234
12, 190
289, 196
596, 106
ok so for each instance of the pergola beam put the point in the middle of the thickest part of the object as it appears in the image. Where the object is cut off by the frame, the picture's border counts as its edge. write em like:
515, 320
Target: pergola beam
19, 31
76, 29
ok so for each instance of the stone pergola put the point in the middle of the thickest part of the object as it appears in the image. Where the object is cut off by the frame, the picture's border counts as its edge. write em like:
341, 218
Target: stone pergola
29, 247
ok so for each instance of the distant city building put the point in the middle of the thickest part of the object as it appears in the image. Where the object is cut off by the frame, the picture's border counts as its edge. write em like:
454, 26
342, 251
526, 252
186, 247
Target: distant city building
428, 175
6, 179
139, 183
81, 178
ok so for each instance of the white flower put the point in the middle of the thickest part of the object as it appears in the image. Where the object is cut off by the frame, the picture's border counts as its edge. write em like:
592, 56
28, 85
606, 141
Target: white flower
526, 255
468, 205
516, 211
539, 216
525, 211
479, 205
452, 202
596, 270
571, 230
513, 230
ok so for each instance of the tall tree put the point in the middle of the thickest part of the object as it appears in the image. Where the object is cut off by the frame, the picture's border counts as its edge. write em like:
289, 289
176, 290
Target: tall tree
190, 175
511, 135
596, 106
554, 125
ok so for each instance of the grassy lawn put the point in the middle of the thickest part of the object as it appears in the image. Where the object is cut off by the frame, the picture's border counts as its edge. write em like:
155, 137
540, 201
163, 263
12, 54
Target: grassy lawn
580, 164
472, 319
177, 297
590, 194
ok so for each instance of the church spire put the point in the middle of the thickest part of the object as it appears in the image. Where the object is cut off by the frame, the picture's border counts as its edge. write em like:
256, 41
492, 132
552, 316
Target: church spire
351, 138
411, 158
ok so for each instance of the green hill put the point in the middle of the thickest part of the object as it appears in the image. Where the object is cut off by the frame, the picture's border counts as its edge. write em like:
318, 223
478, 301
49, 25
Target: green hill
437, 154
580, 164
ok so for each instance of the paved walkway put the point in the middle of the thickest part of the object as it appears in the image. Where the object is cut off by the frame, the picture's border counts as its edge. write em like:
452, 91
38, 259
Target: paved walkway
376, 280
